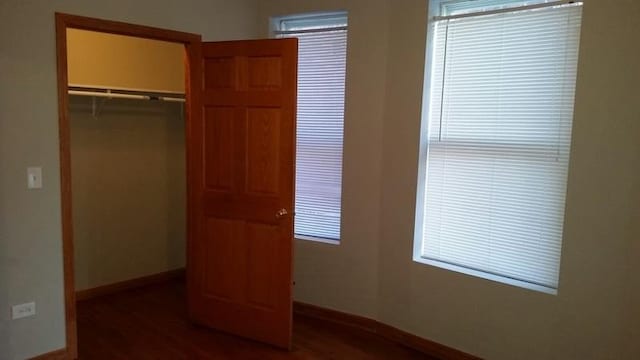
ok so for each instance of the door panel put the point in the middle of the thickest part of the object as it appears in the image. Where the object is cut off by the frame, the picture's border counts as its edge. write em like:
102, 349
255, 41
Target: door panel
240, 248
262, 265
219, 147
263, 139
265, 72
221, 236
219, 72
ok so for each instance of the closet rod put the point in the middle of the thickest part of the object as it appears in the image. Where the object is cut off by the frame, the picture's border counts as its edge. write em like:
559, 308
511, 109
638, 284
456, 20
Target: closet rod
117, 95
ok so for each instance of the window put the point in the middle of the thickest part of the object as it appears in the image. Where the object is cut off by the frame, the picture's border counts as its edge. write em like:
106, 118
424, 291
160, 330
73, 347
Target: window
322, 59
496, 136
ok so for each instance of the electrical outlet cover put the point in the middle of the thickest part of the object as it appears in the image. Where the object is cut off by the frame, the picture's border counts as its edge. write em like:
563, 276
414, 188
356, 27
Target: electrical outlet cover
23, 310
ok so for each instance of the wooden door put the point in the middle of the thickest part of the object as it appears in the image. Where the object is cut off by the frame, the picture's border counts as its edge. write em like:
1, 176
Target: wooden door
242, 168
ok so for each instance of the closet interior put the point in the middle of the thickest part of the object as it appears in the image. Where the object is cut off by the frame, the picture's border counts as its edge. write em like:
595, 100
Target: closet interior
126, 111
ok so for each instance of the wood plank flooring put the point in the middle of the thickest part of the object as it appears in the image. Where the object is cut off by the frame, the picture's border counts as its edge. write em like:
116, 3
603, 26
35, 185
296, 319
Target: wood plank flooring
150, 323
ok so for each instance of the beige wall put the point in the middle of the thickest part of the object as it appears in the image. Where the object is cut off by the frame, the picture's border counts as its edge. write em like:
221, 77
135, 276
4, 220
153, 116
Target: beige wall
345, 276
108, 61
30, 230
595, 314
128, 176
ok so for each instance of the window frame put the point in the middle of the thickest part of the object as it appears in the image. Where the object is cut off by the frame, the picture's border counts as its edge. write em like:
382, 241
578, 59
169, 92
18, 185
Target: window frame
423, 155
275, 26
435, 9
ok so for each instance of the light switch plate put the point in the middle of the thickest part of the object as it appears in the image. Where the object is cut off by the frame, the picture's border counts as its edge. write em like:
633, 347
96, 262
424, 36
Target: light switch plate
34, 177
23, 310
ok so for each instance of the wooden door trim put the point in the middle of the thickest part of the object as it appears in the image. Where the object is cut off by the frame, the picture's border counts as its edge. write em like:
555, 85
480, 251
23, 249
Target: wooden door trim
193, 44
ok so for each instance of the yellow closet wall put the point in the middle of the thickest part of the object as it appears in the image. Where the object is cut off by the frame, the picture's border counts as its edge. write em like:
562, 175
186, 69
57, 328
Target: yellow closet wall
116, 61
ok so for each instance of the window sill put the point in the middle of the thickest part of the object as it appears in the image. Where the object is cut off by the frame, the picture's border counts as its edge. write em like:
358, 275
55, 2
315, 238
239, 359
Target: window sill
487, 276
317, 239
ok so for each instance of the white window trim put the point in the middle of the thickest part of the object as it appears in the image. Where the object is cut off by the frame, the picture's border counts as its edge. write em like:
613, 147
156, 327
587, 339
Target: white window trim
317, 239
434, 10
275, 20
485, 275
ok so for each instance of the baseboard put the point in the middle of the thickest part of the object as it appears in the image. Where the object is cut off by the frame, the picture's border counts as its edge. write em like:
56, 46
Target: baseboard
129, 284
427, 347
54, 355
335, 316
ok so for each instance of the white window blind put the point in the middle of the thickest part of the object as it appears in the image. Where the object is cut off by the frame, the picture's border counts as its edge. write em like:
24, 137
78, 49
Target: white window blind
321, 85
500, 103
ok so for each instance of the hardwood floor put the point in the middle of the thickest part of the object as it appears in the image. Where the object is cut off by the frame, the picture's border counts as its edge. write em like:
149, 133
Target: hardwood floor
150, 323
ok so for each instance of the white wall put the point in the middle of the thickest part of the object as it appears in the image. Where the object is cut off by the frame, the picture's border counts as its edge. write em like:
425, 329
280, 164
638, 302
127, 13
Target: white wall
595, 315
30, 230
345, 276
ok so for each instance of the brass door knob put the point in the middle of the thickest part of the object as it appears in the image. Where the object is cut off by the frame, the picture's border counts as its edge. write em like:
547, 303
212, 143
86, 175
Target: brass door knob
280, 213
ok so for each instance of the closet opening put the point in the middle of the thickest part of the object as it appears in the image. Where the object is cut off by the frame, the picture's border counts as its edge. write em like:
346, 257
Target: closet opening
128, 160
123, 110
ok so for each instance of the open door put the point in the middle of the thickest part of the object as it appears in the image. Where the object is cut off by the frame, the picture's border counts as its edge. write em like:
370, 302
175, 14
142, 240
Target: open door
241, 186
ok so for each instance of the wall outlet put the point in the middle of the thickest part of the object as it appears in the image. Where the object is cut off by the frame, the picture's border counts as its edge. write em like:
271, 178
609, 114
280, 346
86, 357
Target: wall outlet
23, 310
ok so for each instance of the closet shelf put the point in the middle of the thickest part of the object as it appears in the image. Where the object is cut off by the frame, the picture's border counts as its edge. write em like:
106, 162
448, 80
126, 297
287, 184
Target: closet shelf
125, 94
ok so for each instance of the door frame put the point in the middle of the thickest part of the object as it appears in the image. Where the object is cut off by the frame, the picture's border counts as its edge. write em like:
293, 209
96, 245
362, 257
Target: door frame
193, 48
